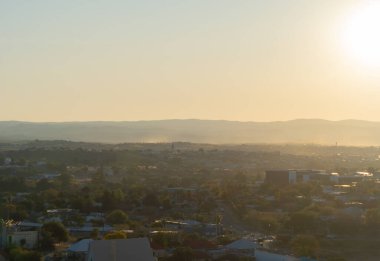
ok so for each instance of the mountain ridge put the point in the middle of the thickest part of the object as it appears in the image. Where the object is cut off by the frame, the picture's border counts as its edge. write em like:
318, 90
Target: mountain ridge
319, 131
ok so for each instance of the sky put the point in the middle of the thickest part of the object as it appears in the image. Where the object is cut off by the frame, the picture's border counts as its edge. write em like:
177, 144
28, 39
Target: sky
243, 60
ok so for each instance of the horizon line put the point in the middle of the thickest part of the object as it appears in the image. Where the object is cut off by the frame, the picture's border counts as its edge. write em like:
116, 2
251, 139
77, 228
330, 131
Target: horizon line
186, 119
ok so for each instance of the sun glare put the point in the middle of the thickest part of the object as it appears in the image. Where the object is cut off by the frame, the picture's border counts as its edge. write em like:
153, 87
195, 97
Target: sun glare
361, 34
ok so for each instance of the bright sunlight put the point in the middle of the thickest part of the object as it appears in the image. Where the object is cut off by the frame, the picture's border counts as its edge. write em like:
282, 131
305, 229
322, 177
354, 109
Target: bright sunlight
361, 34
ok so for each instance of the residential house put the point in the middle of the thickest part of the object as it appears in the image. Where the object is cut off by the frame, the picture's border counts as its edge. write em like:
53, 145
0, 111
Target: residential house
79, 250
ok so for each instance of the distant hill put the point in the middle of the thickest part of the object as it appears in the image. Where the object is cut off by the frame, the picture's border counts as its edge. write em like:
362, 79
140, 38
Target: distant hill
346, 132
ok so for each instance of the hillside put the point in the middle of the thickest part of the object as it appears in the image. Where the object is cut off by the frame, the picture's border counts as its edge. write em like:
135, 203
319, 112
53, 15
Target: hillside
346, 132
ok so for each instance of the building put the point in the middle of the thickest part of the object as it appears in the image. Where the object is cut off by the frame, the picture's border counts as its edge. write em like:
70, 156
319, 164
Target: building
78, 250
134, 249
193, 226
242, 247
293, 176
280, 177
27, 239
11, 234
355, 177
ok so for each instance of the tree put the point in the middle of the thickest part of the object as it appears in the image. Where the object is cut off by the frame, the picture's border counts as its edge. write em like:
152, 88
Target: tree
43, 184
372, 220
115, 235
20, 254
303, 221
207, 205
65, 179
99, 178
94, 233
182, 254
224, 240
305, 245
109, 200
117, 217
345, 224
166, 240
46, 242
151, 200
56, 230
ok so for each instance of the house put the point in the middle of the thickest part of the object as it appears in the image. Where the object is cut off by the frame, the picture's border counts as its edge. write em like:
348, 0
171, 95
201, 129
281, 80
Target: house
242, 246
79, 250
191, 226
27, 239
11, 234
87, 229
80, 246
134, 249
95, 216
181, 225
265, 256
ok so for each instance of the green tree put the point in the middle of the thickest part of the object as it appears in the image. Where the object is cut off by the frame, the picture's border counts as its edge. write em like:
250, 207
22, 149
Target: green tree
46, 241
98, 178
43, 184
182, 254
303, 221
372, 220
94, 233
305, 245
20, 254
65, 179
117, 217
151, 200
56, 230
115, 235
110, 200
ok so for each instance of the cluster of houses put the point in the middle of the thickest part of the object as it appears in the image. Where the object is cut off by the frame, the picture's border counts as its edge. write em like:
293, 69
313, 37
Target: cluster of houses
26, 234
140, 249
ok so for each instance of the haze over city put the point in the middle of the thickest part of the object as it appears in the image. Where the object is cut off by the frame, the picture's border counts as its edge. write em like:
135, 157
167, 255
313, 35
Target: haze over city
148, 60
189, 130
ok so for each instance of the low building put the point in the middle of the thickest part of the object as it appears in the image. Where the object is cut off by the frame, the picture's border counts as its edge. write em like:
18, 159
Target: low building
294, 176
78, 250
193, 226
12, 235
355, 177
280, 177
27, 239
242, 247
264, 255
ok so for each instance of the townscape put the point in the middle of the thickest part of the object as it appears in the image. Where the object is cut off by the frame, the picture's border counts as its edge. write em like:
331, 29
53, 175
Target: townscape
163, 130
65, 200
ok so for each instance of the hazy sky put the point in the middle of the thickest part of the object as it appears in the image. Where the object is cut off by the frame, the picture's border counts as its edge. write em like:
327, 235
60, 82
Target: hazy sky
249, 60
